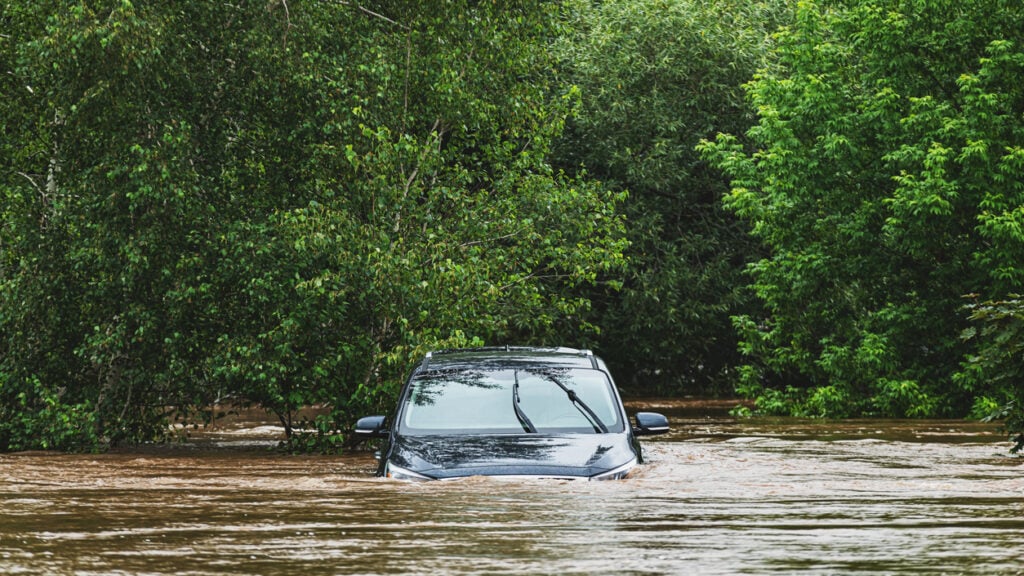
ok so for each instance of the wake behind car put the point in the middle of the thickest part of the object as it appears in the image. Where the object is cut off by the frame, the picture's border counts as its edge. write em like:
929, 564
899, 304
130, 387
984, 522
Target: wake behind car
538, 412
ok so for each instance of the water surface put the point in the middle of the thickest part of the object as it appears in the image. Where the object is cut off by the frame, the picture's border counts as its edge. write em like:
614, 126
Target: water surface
717, 496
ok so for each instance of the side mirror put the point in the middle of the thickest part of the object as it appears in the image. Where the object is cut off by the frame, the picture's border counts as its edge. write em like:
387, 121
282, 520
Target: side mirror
650, 423
371, 427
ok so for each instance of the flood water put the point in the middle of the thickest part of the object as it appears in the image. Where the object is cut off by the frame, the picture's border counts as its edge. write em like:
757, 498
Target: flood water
717, 496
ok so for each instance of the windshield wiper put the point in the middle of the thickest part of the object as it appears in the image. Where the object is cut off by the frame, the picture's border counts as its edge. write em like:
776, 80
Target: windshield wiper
523, 418
580, 405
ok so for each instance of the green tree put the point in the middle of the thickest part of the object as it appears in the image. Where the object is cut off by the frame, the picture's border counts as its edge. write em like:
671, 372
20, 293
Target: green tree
884, 183
657, 76
274, 203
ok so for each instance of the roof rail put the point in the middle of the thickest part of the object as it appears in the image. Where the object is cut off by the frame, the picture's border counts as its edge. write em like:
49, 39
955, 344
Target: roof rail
584, 354
511, 348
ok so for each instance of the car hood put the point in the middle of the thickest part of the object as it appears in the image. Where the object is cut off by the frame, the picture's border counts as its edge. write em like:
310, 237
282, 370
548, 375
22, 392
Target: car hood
563, 455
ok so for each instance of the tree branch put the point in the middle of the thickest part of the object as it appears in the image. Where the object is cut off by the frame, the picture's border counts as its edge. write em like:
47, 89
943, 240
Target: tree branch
369, 12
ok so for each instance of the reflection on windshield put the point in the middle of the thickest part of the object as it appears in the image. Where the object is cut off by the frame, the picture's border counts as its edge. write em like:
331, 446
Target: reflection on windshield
548, 398
431, 385
472, 401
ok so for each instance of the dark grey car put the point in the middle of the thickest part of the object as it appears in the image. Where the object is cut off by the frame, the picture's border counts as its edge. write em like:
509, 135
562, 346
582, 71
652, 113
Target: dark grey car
540, 412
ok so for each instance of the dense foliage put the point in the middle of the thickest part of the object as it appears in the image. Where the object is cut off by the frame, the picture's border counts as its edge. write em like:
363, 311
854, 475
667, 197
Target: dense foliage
656, 77
272, 203
996, 369
885, 183
283, 204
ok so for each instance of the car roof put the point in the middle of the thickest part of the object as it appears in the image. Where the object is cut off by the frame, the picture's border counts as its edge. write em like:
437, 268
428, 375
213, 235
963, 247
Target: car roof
560, 357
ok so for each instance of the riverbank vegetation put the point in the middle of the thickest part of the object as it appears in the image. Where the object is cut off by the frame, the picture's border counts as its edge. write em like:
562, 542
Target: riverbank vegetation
817, 205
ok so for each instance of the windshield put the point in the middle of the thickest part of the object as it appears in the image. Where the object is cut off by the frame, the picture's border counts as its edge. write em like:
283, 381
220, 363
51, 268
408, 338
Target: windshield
474, 401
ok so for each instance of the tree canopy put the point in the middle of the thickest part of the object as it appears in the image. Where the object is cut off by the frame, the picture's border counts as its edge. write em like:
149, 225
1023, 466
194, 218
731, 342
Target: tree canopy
656, 77
884, 180
815, 204
273, 203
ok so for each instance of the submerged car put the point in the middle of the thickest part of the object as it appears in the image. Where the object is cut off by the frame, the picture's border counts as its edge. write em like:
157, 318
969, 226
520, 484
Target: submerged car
537, 412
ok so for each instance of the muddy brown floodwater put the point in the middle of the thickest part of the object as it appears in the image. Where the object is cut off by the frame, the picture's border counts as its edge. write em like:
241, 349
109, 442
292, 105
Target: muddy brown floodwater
718, 496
